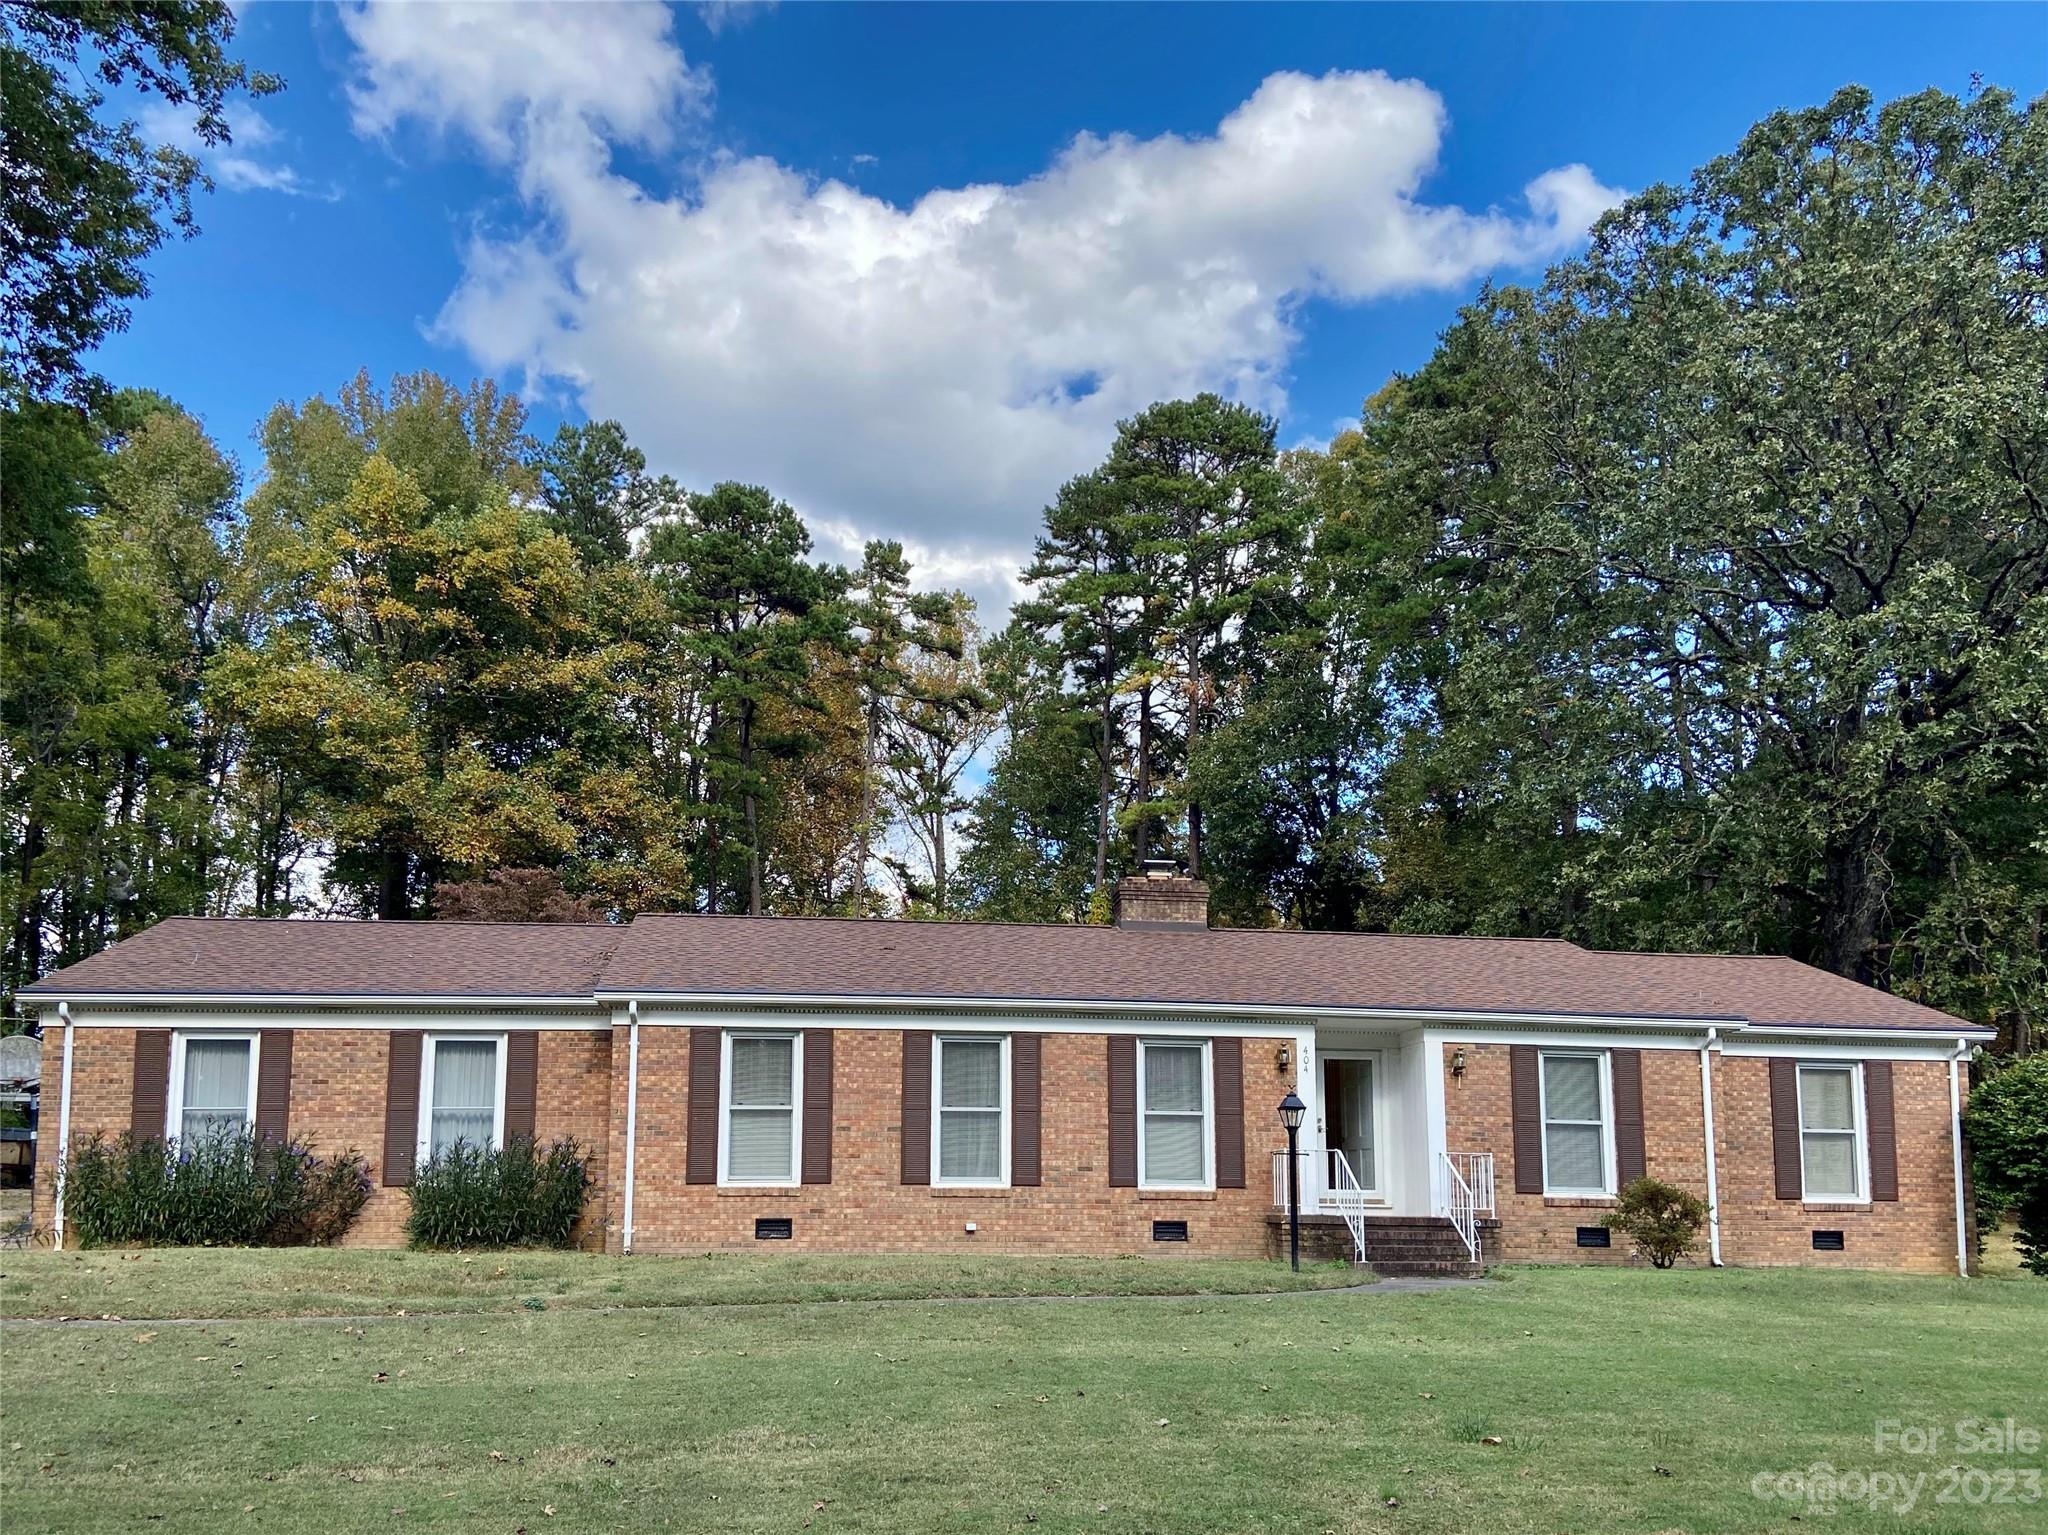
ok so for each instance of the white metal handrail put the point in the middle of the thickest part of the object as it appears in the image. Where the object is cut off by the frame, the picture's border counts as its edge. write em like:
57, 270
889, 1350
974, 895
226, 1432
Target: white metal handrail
1328, 1181
1467, 1191
1349, 1196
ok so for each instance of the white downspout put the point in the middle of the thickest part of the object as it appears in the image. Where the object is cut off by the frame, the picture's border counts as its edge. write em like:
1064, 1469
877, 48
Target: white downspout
1955, 1137
1707, 1049
632, 1111
63, 1126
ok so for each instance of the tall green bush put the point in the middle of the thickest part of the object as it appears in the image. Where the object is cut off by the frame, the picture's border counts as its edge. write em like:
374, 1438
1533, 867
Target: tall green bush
519, 1195
223, 1191
2007, 1122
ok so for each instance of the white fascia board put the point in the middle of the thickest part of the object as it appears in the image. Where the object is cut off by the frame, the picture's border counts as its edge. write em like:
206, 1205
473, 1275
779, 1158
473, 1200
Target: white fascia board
1274, 1018
517, 1014
1873, 1045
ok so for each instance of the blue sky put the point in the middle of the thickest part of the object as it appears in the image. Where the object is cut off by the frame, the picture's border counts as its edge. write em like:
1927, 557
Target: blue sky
745, 231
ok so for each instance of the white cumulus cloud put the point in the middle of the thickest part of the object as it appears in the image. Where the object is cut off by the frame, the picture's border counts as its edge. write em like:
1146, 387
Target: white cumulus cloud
933, 371
247, 163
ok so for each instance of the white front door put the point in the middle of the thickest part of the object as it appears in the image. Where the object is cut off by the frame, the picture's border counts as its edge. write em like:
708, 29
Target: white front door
1353, 1150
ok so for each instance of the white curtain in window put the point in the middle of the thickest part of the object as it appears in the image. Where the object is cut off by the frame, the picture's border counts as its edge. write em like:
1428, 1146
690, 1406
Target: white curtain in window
761, 1112
1827, 1117
970, 1109
216, 1090
465, 1106
1173, 1124
1574, 1133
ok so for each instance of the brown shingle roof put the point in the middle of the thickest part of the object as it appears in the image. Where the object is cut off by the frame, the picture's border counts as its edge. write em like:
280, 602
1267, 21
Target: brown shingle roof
225, 956
755, 956
879, 960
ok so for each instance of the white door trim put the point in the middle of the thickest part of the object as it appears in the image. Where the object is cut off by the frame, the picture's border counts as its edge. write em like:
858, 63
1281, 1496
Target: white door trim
1378, 1195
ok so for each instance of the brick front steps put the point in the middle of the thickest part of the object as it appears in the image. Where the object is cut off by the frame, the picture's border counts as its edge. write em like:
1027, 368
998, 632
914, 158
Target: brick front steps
1395, 1245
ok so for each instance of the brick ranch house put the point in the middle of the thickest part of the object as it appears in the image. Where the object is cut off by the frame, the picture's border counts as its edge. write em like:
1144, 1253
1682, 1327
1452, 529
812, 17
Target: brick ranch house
875, 1086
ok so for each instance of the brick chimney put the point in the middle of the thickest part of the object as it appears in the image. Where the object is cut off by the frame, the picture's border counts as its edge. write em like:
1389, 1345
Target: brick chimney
1162, 899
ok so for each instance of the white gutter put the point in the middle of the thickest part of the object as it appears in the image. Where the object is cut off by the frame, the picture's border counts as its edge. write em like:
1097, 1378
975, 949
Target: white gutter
632, 1112
1707, 1049
63, 1128
352, 1000
1835, 1031
1955, 1123
845, 1001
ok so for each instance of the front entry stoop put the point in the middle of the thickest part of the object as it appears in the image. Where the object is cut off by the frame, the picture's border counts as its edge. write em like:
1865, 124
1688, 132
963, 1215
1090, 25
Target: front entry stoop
1421, 1246
1424, 1246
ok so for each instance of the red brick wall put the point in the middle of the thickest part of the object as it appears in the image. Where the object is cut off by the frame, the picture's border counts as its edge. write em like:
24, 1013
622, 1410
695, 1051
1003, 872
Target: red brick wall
338, 1088
1916, 1233
867, 1209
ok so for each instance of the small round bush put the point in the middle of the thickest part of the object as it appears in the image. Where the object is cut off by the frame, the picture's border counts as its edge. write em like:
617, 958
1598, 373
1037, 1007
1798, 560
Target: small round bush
2007, 1123
1661, 1220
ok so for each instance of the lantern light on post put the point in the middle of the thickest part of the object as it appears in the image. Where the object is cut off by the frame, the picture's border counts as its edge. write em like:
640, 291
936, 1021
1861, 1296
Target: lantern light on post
1292, 1110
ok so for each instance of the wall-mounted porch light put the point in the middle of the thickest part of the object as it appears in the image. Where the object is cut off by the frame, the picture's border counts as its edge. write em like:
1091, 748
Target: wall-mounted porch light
1283, 1058
1458, 1062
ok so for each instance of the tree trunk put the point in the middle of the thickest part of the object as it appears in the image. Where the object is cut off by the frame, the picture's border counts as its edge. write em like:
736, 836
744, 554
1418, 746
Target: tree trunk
867, 809
1854, 896
394, 901
939, 860
1144, 774
28, 919
1681, 722
753, 817
1194, 732
1105, 786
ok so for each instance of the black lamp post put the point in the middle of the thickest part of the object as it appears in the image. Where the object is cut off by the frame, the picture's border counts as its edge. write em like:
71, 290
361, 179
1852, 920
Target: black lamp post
1291, 1111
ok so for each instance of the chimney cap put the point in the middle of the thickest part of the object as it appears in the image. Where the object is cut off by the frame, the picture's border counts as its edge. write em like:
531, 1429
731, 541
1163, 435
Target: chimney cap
1161, 868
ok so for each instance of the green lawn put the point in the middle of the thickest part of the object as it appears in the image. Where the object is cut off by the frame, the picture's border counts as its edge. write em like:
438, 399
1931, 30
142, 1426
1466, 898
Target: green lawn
317, 1281
1622, 1400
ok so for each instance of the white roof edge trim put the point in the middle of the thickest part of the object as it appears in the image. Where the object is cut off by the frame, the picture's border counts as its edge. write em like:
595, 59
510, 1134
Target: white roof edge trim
361, 999
687, 999
1853, 1031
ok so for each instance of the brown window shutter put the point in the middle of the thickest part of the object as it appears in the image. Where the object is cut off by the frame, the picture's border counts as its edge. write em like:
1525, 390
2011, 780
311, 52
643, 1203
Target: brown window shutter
1229, 1068
1881, 1125
522, 1081
917, 1106
1123, 1112
274, 1086
1525, 1104
1625, 1069
150, 1104
402, 1108
1785, 1127
700, 1155
1026, 1074
817, 1106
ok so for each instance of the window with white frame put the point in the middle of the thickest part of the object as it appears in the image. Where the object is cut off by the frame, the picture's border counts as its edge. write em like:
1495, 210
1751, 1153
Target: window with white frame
971, 1119
213, 1087
462, 1097
1576, 1158
1831, 1131
761, 1096
1173, 1114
